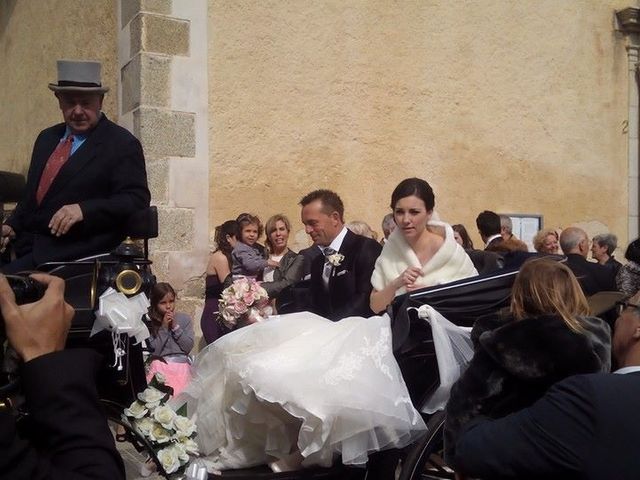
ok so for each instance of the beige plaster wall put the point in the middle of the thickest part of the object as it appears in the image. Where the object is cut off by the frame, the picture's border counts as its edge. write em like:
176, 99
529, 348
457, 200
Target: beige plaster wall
33, 35
517, 107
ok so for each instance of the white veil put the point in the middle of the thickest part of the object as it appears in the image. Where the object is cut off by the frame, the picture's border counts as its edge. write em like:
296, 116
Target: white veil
454, 351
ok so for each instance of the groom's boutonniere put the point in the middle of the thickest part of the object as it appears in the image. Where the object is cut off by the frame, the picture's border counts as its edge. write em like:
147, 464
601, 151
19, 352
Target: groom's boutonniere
335, 259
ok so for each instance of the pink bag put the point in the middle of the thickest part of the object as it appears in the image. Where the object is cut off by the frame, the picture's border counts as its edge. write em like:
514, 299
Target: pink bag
177, 375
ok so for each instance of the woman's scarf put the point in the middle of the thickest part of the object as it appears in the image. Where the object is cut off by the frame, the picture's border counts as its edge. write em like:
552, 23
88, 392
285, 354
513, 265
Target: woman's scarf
448, 264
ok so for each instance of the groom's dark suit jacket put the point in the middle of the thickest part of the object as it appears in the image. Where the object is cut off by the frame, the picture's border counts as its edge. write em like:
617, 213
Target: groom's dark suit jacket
106, 176
585, 427
350, 282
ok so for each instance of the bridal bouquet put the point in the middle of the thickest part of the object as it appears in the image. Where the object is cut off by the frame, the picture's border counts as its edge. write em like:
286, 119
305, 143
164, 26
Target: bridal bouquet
171, 435
244, 302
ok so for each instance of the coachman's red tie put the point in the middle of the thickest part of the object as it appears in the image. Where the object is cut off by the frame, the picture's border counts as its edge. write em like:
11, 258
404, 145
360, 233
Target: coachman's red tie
57, 159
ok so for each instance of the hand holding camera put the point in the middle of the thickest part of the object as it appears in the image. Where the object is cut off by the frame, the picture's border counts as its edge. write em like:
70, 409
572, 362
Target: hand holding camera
37, 328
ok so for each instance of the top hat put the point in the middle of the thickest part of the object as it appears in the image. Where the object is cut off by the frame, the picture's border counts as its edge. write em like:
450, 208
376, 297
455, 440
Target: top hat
78, 76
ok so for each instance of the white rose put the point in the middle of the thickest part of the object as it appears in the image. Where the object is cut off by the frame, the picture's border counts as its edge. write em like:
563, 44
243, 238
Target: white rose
145, 425
190, 446
151, 397
169, 460
160, 378
159, 434
183, 456
164, 415
136, 410
184, 427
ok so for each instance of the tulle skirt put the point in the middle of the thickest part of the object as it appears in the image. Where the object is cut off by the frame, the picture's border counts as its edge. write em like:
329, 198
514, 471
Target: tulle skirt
300, 382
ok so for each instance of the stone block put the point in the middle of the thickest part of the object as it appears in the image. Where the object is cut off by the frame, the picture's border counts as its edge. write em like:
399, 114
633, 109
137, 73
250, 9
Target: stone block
194, 287
176, 229
158, 179
146, 81
159, 34
165, 132
130, 8
160, 266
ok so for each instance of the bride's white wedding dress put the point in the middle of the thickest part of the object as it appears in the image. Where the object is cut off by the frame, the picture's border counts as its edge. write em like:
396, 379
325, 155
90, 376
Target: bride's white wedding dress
301, 382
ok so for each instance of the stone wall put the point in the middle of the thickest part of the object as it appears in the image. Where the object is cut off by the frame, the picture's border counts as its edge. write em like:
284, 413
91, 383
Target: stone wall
162, 56
518, 107
30, 44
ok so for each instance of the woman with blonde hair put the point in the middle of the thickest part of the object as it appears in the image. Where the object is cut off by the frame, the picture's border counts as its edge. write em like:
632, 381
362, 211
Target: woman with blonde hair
546, 241
289, 267
545, 336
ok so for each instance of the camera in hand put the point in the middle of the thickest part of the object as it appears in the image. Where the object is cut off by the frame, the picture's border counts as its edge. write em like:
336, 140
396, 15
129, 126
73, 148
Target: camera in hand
127, 270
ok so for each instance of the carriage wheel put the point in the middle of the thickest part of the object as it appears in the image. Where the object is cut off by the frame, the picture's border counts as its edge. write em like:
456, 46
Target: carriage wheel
424, 459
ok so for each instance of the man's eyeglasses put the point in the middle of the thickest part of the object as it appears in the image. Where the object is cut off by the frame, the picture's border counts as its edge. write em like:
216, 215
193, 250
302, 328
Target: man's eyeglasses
622, 306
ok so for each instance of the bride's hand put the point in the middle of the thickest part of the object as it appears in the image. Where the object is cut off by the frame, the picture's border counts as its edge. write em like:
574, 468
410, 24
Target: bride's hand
408, 277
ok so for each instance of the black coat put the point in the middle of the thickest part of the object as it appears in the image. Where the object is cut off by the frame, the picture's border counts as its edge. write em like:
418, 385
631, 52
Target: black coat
350, 282
592, 276
67, 436
585, 428
515, 362
106, 176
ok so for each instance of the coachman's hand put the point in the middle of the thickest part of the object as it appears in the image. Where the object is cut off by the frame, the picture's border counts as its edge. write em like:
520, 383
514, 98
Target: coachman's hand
65, 218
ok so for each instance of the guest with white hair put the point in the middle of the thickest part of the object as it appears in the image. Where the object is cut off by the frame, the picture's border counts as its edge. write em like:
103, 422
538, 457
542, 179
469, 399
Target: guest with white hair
593, 278
602, 249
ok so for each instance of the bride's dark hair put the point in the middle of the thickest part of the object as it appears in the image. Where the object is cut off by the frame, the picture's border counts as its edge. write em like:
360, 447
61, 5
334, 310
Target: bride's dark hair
414, 186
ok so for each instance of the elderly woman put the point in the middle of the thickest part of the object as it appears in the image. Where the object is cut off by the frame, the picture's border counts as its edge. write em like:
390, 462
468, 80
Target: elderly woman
289, 265
546, 241
602, 249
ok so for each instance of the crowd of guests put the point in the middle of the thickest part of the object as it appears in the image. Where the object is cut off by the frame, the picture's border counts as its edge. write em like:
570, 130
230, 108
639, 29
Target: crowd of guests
239, 252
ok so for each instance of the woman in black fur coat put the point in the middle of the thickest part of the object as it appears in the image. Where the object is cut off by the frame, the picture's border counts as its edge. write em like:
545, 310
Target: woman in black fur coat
545, 336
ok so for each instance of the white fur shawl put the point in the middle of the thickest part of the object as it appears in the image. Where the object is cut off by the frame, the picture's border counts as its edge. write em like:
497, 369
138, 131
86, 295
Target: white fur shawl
448, 264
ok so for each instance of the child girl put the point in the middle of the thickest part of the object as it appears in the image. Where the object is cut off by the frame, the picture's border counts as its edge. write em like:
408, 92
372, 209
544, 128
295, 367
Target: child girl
546, 336
248, 256
171, 338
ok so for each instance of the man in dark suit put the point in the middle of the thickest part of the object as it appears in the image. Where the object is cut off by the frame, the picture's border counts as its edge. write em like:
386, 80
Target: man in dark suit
65, 435
593, 277
584, 427
340, 280
86, 177
488, 224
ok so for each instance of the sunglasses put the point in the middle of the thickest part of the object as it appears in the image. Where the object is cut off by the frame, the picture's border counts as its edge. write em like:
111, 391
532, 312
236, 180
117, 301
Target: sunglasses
622, 306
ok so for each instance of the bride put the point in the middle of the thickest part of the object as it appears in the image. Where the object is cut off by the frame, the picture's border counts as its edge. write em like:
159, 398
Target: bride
420, 252
301, 390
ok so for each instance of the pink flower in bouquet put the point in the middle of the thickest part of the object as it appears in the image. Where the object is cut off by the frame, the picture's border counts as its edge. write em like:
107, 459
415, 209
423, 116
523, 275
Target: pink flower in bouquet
249, 298
239, 308
243, 299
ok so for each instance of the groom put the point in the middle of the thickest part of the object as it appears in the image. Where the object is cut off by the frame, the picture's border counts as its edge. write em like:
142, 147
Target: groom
341, 275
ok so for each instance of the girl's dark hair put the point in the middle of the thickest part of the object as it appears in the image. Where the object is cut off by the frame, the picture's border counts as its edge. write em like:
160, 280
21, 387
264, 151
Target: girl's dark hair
245, 219
414, 186
228, 228
633, 251
467, 243
158, 292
